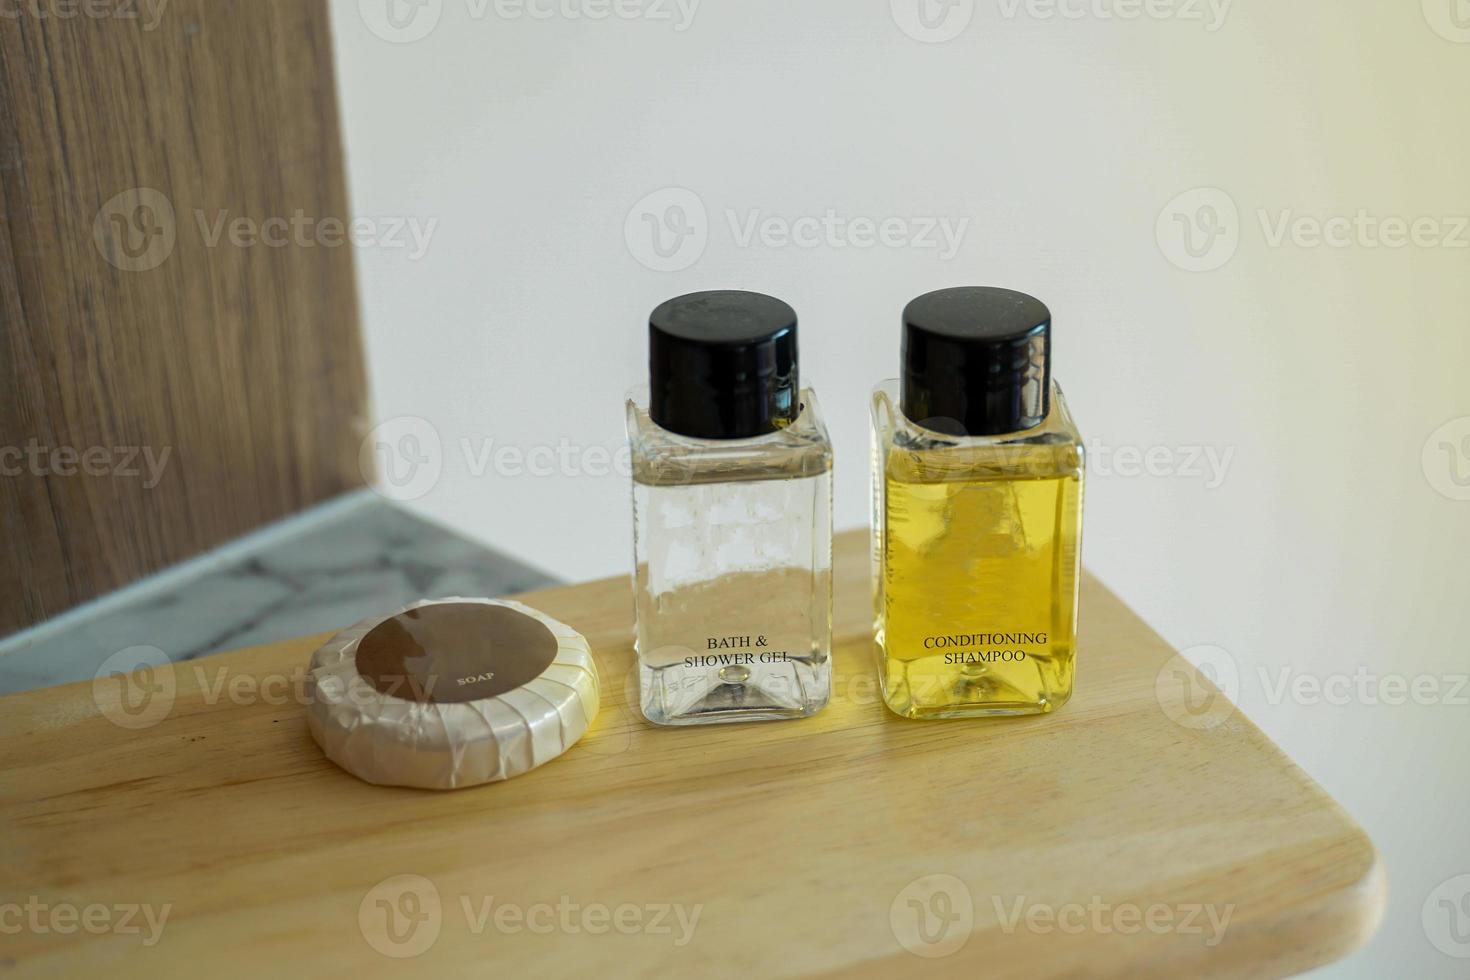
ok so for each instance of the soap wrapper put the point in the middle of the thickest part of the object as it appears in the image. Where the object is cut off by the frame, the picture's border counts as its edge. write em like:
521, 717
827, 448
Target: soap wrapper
422, 726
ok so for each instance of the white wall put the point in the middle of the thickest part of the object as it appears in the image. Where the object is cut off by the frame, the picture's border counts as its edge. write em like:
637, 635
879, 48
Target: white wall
1319, 372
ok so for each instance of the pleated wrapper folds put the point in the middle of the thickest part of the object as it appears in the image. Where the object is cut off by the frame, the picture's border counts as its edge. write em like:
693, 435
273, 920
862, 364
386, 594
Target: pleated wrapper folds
395, 741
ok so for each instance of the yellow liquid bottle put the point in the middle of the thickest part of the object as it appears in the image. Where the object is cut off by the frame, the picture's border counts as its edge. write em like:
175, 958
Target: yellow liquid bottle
977, 514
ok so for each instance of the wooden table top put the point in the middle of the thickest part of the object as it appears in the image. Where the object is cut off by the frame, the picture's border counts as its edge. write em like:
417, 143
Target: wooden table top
1146, 829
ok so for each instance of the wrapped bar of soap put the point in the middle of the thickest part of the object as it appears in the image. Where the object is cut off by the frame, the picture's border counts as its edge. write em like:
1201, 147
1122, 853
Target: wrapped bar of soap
447, 693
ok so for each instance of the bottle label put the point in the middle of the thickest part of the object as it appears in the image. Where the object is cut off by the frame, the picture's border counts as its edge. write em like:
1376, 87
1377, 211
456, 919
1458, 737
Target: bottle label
984, 648
747, 650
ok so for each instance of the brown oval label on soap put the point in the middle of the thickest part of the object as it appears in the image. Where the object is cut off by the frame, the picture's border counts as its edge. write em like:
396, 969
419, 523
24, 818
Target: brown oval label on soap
455, 652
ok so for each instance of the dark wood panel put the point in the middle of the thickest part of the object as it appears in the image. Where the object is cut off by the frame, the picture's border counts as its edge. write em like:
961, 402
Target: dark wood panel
167, 382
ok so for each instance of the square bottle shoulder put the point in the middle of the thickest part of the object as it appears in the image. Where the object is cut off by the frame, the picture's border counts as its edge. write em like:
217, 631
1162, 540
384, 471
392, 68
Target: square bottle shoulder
1053, 448
801, 449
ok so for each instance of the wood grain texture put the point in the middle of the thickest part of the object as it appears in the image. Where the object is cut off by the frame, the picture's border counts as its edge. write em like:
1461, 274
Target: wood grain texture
798, 839
127, 325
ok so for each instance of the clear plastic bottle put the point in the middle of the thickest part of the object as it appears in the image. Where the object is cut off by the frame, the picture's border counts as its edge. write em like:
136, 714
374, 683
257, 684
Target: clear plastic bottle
978, 477
732, 517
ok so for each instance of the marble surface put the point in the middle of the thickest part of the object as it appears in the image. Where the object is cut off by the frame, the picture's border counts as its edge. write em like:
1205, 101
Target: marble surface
322, 570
